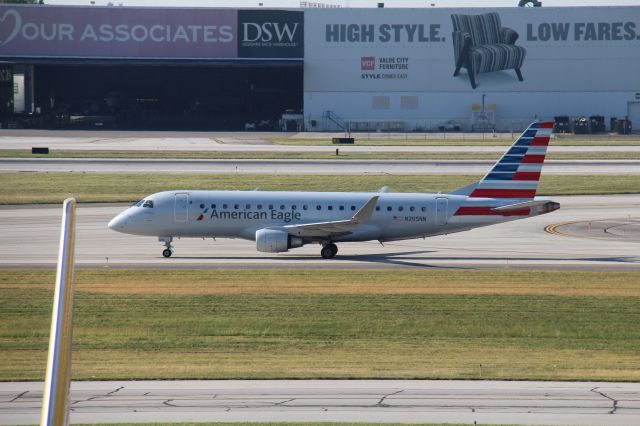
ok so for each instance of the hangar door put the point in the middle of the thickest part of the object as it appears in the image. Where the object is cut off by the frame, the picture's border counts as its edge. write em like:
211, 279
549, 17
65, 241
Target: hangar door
181, 210
633, 112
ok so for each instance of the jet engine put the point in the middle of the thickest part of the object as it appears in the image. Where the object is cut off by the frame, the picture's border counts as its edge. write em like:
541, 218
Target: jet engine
274, 241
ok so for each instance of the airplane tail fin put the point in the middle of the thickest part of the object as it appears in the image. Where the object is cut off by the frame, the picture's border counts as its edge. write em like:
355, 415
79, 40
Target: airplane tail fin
517, 173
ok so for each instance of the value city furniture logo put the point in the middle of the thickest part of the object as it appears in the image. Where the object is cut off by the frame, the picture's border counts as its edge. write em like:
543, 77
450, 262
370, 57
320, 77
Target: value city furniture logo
386, 67
368, 63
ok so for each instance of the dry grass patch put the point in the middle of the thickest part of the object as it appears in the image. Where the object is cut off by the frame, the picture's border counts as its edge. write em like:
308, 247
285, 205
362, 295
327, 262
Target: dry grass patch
23, 188
345, 154
330, 324
454, 139
281, 424
233, 282
362, 359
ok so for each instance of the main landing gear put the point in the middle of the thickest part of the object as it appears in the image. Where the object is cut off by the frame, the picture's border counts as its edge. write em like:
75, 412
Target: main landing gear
168, 251
329, 251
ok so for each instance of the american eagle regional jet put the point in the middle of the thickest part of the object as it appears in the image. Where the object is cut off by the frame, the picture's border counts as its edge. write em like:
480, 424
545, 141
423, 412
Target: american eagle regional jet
280, 220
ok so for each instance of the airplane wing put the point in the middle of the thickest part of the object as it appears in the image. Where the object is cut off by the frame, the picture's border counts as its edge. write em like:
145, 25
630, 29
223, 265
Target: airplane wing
334, 228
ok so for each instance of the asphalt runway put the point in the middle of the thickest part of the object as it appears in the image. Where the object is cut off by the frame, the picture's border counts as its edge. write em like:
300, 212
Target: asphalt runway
401, 401
321, 167
587, 233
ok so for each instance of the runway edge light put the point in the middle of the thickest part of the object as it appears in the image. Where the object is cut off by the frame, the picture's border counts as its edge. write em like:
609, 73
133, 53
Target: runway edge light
55, 399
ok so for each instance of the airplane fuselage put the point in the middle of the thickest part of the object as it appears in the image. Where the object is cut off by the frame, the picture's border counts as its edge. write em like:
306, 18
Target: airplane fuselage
239, 214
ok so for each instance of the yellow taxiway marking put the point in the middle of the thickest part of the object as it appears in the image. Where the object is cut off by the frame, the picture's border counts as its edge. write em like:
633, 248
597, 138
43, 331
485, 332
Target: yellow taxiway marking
552, 229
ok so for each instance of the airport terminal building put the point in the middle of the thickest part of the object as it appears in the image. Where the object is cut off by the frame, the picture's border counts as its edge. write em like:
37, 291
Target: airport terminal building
328, 69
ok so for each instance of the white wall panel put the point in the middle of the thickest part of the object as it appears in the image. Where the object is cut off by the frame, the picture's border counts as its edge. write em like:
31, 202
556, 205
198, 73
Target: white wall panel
579, 61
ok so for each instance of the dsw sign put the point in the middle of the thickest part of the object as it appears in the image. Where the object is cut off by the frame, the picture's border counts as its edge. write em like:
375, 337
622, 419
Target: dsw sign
269, 32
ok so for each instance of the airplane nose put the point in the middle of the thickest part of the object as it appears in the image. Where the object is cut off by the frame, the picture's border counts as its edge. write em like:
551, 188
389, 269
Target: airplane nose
118, 223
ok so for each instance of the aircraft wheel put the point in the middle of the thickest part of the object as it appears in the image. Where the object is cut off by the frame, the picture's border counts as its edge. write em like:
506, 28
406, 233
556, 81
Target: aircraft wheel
167, 253
329, 251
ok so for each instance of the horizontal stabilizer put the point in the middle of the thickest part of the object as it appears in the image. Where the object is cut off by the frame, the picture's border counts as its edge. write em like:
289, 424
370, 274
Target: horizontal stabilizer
547, 206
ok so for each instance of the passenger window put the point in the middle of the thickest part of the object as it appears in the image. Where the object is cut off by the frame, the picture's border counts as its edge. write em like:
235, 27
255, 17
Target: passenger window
424, 209
389, 208
282, 206
318, 207
202, 206
353, 208
236, 206
330, 207
270, 206
377, 208
213, 206
413, 209
259, 206
305, 207
400, 208
293, 207
341, 207
148, 204
224, 206
248, 206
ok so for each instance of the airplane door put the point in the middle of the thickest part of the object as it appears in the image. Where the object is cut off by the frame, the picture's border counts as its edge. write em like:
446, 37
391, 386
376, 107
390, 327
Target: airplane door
181, 210
441, 211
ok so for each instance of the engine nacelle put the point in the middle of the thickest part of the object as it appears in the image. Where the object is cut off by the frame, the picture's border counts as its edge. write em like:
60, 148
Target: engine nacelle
274, 241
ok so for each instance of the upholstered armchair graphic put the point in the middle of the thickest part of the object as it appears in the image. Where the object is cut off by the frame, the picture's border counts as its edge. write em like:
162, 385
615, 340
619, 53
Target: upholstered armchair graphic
481, 44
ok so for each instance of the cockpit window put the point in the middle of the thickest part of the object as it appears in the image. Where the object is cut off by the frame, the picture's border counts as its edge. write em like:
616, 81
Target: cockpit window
139, 203
148, 204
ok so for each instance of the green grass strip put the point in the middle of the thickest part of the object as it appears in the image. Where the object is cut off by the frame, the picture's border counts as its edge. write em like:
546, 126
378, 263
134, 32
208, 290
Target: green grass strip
330, 324
344, 154
284, 424
455, 140
25, 188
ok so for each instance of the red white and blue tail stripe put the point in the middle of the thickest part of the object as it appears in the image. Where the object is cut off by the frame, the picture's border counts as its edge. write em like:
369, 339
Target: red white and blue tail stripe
517, 173
515, 176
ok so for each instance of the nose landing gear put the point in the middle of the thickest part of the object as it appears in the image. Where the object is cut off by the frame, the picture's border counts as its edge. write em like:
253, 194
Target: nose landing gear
168, 251
329, 251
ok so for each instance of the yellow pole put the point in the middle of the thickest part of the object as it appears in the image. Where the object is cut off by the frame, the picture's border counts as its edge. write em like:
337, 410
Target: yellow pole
55, 401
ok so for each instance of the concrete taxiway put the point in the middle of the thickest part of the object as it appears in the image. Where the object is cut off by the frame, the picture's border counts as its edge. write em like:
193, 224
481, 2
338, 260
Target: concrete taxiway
401, 401
588, 232
321, 167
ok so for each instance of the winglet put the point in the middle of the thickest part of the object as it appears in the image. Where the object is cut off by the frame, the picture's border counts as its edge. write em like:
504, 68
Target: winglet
384, 189
365, 211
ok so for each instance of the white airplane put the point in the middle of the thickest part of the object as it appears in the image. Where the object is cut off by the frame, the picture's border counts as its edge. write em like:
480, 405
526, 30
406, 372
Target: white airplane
281, 220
